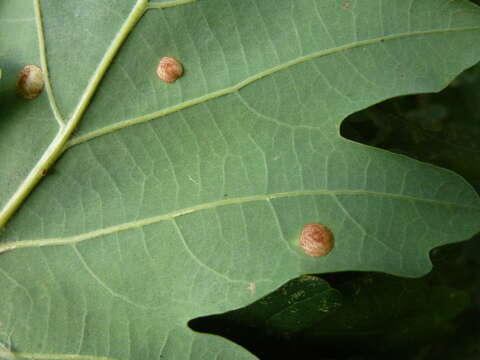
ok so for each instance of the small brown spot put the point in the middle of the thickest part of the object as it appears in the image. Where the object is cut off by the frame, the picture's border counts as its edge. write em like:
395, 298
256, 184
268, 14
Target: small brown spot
252, 287
43, 172
169, 69
346, 5
316, 240
403, 76
30, 82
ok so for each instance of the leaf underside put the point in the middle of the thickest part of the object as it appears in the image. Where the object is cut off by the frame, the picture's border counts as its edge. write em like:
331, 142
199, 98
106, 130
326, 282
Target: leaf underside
172, 201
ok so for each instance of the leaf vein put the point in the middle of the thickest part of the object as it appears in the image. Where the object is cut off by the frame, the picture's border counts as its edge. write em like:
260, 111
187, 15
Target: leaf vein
195, 257
71, 240
45, 356
44, 64
229, 90
167, 4
55, 149
102, 283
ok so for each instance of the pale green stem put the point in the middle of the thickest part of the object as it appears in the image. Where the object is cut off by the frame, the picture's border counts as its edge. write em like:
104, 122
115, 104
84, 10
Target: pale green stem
55, 148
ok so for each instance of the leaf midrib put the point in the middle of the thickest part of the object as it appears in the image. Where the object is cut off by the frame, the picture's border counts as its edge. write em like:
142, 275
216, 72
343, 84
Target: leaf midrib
61, 141
54, 150
12, 245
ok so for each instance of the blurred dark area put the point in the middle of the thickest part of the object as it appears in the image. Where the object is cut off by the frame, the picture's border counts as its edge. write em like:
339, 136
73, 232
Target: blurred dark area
442, 129
377, 316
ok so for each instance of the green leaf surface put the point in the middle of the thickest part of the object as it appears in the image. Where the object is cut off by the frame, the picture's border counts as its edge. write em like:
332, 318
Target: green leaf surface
174, 201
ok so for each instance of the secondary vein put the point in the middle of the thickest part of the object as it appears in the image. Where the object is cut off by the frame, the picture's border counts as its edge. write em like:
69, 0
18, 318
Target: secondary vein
41, 356
44, 63
211, 205
167, 4
229, 90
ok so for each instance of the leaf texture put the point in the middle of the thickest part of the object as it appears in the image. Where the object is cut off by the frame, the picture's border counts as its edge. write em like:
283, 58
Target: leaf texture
165, 202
